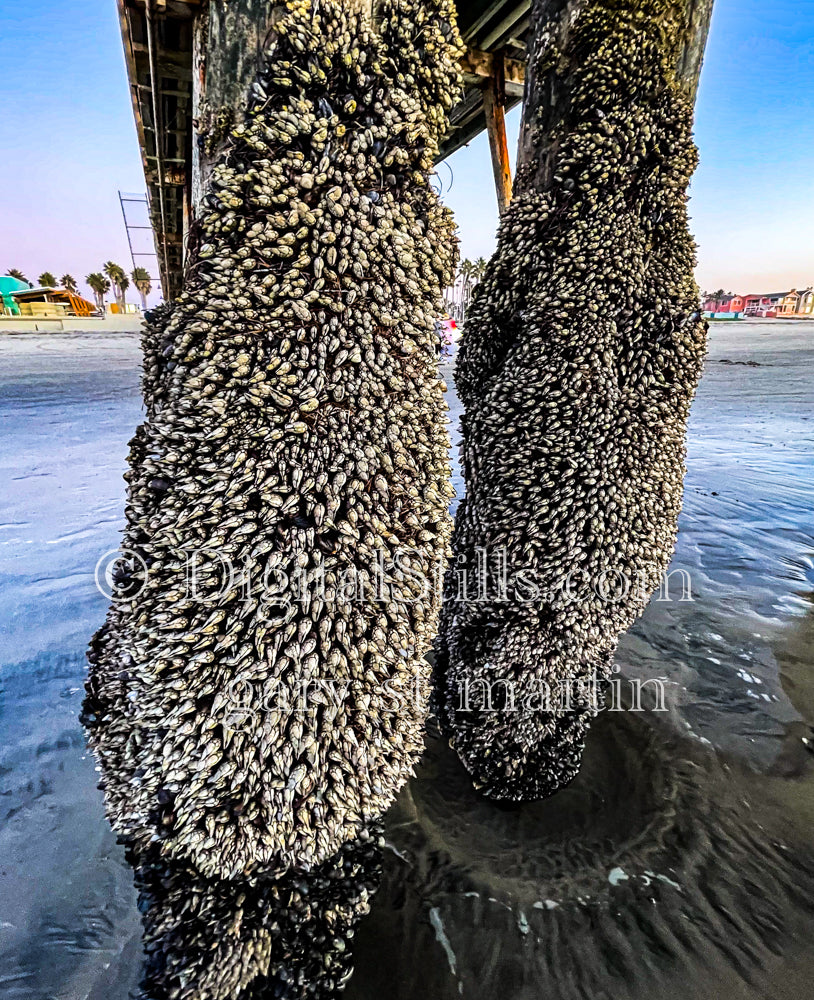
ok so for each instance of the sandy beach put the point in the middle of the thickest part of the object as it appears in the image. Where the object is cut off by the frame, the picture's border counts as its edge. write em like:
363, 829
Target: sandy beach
679, 864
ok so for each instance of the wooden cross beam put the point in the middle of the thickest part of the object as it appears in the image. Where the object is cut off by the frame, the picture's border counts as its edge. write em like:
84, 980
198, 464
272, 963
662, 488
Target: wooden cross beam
478, 65
492, 68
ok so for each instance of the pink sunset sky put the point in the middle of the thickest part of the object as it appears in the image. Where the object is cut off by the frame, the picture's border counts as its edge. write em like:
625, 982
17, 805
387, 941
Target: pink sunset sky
69, 145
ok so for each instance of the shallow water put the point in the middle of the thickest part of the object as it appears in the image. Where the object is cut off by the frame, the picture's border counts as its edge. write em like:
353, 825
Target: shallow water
680, 863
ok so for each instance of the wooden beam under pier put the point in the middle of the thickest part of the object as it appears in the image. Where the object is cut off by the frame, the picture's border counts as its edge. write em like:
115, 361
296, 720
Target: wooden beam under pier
494, 100
204, 57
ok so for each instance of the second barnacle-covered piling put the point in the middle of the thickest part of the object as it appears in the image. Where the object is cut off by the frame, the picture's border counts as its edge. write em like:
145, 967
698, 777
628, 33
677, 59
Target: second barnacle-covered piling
579, 361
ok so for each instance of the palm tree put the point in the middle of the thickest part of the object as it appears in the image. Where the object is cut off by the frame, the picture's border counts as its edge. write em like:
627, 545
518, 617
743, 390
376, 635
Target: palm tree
100, 286
718, 297
15, 272
68, 282
124, 284
466, 271
480, 268
47, 280
141, 279
116, 274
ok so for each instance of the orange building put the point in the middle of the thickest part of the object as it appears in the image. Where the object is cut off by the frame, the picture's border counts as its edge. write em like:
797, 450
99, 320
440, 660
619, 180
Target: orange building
52, 302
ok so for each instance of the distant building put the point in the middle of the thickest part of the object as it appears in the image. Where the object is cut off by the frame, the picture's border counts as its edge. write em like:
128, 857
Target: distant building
789, 304
9, 285
730, 305
785, 305
765, 305
51, 303
806, 306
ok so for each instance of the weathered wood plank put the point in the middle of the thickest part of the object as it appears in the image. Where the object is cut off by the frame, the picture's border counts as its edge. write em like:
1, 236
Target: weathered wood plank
476, 63
228, 44
496, 129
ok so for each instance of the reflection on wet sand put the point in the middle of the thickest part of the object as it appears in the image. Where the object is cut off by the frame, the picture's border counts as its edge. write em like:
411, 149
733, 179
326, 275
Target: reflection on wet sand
663, 863
796, 663
209, 939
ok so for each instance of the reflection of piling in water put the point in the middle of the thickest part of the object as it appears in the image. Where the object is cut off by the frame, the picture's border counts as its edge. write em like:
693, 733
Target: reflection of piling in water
579, 360
296, 430
210, 939
661, 864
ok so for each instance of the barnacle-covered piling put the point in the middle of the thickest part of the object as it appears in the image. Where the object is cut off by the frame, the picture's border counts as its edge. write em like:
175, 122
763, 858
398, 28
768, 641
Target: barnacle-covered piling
255, 697
579, 361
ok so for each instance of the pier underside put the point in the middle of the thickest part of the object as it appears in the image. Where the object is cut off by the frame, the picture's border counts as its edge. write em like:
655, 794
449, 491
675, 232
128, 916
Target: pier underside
189, 59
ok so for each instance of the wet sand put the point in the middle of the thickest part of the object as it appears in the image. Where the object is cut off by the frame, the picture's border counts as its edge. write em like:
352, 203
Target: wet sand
680, 863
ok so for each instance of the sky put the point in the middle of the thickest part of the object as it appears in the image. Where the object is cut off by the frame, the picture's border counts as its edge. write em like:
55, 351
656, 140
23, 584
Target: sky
68, 145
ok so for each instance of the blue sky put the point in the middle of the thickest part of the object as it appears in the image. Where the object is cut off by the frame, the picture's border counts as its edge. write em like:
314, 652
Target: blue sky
69, 143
